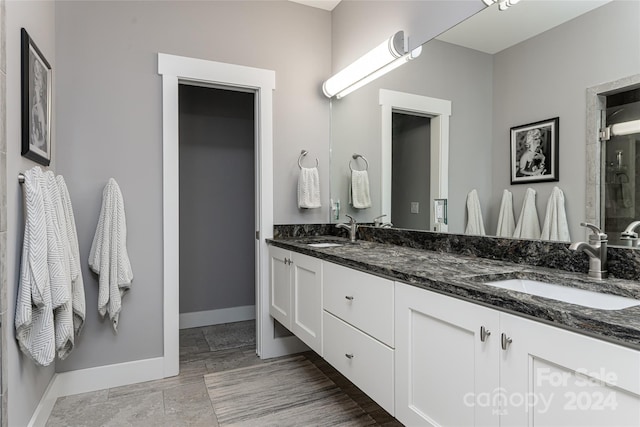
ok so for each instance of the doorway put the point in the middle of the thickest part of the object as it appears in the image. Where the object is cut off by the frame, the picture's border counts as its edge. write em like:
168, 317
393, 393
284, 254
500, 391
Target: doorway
410, 170
217, 209
176, 70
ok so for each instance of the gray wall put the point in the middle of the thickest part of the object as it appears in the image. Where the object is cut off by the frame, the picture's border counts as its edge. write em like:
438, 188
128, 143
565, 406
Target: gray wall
445, 71
110, 123
360, 25
411, 170
27, 382
217, 201
547, 76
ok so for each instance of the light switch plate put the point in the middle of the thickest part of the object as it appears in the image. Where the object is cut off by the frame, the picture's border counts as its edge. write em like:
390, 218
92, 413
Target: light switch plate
415, 207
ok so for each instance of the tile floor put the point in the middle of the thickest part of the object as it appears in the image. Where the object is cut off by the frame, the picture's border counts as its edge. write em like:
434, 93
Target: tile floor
183, 400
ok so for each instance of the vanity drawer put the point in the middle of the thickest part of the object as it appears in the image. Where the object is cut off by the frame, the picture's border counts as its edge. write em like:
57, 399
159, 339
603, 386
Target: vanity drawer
365, 361
360, 299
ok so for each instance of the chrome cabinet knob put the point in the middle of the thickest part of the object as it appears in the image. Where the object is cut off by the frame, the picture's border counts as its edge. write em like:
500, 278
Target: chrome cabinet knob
505, 341
349, 356
484, 333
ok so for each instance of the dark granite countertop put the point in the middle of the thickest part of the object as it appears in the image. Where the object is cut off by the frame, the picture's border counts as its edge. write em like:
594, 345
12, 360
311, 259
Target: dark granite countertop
464, 276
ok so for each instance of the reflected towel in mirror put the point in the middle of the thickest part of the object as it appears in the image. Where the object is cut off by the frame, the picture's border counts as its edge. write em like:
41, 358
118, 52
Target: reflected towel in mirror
506, 219
555, 220
475, 224
359, 195
528, 226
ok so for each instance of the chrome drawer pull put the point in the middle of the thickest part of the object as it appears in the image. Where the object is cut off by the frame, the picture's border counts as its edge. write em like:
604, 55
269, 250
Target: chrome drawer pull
484, 333
349, 355
349, 297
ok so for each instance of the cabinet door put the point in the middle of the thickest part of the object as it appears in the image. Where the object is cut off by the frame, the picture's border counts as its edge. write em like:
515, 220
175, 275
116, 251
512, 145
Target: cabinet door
280, 286
444, 369
306, 322
554, 377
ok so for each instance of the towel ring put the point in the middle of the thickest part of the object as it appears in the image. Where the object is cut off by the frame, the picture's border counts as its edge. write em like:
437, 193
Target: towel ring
355, 157
302, 154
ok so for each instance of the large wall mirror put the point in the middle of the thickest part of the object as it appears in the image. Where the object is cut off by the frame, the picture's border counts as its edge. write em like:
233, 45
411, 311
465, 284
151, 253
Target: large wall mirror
498, 70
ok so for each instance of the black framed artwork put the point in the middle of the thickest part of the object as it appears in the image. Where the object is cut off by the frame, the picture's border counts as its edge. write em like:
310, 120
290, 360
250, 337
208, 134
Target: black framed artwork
36, 102
534, 152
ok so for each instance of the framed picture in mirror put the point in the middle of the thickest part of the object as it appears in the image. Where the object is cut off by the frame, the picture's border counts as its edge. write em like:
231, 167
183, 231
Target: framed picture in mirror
534, 152
36, 102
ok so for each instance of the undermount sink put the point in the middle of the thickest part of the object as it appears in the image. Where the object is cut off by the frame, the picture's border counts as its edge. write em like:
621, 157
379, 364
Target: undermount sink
324, 245
567, 294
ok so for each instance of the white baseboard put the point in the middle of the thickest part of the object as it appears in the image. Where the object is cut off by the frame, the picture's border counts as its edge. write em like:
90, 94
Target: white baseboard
93, 379
217, 317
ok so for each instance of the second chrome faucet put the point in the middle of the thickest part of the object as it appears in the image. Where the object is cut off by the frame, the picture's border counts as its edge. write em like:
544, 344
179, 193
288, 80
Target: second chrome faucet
596, 249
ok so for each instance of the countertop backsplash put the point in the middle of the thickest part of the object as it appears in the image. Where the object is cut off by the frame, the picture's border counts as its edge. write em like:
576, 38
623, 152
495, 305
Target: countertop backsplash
622, 263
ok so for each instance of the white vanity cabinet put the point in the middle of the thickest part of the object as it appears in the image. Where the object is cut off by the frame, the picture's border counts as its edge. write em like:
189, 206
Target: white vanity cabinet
358, 334
450, 371
446, 352
570, 379
295, 297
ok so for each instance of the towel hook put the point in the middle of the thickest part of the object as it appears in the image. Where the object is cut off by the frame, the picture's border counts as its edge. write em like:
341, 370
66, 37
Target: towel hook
302, 154
355, 157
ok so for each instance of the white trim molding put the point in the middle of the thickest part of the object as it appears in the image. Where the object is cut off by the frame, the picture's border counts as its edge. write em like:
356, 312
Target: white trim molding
93, 379
176, 70
217, 317
439, 110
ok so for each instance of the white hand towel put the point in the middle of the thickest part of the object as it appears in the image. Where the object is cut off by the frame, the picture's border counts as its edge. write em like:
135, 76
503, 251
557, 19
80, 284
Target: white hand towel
309, 188
34, 312
59, 266
108, 256
555, 220
359, 195
528, 224
506, 220
77, 284
475, 224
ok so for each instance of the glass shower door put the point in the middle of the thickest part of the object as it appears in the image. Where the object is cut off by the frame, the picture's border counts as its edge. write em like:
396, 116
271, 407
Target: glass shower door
621, 164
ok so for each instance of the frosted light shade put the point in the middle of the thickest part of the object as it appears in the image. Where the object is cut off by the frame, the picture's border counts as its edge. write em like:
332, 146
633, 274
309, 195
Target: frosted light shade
381, 56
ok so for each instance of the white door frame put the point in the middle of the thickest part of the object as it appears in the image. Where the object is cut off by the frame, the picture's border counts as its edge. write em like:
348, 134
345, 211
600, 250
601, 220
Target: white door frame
439, 110
176, 70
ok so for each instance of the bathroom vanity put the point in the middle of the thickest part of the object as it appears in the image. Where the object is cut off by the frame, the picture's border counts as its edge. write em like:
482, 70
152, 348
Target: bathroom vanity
421, 333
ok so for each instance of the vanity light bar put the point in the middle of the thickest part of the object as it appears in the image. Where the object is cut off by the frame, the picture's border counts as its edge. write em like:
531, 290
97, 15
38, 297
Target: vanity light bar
372, 62
502, 4
371, 77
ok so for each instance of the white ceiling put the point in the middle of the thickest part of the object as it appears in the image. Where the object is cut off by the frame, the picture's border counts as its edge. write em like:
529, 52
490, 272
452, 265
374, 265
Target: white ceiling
516, 24
321, 4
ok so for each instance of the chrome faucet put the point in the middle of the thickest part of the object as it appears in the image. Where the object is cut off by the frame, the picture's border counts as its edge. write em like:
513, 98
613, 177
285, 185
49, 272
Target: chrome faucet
352, 227
377, 222
596, 249
629, 235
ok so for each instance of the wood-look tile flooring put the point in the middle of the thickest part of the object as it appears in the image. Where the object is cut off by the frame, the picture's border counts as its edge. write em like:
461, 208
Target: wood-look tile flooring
183, 400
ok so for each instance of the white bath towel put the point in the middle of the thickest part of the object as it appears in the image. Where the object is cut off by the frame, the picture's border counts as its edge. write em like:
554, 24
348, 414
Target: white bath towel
506, 220
59, 266
309, 188
77, 283
108, 256
528, 226
34, 312
359, 195
555, 225
475, 224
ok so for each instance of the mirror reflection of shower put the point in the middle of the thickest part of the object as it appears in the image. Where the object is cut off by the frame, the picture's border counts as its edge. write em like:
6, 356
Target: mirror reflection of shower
621, 186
